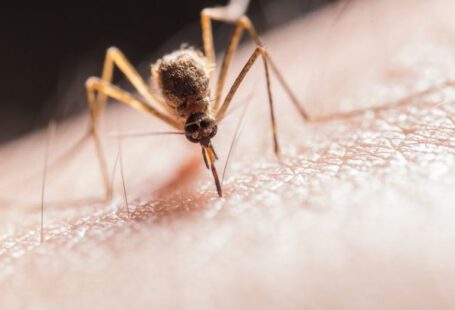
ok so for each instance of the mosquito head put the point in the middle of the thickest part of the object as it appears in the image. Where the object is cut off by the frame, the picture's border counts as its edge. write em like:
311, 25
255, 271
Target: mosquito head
200, 128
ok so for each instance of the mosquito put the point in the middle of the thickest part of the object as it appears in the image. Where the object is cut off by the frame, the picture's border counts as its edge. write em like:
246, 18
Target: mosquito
183, 98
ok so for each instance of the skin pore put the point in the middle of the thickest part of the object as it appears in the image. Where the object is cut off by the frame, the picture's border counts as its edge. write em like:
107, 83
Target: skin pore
356, 214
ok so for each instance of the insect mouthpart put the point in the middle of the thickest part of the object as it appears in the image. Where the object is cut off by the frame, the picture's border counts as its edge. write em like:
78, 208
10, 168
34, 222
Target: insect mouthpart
200, 128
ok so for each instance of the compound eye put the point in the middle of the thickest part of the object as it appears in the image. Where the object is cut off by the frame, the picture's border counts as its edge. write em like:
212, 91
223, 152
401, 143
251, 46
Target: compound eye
213, 132
205, 123
191, 128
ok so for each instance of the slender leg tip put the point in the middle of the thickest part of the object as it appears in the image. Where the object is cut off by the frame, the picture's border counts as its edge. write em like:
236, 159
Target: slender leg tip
219, 189
277, 151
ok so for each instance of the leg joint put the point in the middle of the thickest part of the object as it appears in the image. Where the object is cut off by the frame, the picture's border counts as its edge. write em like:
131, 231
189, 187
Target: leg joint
93, 82
113, 51
245, 21
205, 12
262, 50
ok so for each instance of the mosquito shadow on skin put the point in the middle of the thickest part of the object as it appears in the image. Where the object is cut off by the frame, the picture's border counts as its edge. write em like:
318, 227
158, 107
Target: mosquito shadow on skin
172, 200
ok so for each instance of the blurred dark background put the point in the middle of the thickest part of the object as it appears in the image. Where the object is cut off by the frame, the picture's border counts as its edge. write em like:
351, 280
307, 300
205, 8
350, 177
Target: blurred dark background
47, 54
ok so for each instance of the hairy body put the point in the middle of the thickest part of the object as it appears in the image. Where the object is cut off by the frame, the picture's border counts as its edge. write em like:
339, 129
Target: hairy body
183, 78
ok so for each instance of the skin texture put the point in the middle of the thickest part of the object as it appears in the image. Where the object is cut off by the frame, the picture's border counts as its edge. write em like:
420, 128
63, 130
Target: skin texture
358, 212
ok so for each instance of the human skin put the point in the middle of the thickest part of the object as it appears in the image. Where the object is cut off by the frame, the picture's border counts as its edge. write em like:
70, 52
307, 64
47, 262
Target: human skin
357, 213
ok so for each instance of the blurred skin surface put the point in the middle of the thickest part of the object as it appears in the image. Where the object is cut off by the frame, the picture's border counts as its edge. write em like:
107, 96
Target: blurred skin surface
357, 214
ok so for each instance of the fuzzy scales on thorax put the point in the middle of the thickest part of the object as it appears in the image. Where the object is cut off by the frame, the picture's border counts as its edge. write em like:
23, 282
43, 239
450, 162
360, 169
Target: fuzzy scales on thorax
183, 78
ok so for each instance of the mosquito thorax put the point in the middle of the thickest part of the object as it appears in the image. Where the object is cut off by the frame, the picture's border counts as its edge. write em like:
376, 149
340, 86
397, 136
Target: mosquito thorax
183, 79
200, 128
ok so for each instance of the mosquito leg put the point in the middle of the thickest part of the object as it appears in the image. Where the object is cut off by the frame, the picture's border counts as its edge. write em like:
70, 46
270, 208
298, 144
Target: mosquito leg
96, 85
295, 101
102, 164
125, 195
297, 104
114, 57
230, 50
207, 35
243, 23
259, 51
228, 13
50, 135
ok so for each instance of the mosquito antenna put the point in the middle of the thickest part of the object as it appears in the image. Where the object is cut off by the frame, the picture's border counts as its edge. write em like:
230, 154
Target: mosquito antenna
146, 133
49, 137
205, 158
237, 132
213, 150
